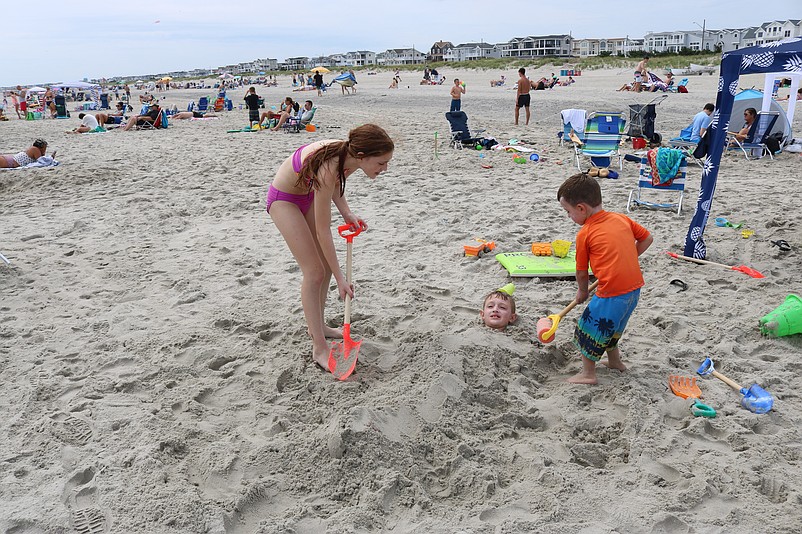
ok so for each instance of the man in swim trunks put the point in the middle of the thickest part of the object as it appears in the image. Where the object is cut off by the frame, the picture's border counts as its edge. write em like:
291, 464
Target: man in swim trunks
522, 95
641, 74
23, 99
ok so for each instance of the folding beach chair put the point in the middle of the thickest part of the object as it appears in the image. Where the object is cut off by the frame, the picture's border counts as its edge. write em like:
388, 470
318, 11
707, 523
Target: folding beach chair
61, 107
203, 103
299, 121
603, 132
460, 134
754, 146
676, 88
646, 180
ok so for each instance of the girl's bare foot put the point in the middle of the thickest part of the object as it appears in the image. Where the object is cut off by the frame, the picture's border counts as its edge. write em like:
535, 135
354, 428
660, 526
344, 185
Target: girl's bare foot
321, 358
582, 378
333, 333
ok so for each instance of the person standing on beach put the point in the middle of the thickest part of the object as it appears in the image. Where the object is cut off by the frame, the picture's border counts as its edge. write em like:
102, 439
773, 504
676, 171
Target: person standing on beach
319, 83
456, 93
522, 97
641, 74
252, 103
23, 100
299, 203
610, 244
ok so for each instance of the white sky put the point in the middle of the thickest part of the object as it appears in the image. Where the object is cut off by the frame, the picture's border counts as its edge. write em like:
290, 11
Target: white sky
51, 41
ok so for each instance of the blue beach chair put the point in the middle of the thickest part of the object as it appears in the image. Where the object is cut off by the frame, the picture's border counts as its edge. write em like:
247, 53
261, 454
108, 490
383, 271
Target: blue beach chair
603, 133
754, 146
675, 185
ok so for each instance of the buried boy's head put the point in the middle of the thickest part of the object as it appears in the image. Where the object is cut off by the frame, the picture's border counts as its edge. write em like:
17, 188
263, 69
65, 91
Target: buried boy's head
498, 310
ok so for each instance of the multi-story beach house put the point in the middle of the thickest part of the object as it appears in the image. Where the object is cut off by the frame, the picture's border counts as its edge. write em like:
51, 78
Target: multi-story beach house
537, 46
614, 46
471, 51
296, 63
674, 41
360, 58
773, 31
438, 49
400, 56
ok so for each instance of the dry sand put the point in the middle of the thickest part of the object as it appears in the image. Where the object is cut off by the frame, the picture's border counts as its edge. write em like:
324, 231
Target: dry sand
156, 372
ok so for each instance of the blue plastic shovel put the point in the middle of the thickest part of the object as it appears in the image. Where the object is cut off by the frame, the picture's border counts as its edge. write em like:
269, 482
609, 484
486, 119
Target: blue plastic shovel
755, 399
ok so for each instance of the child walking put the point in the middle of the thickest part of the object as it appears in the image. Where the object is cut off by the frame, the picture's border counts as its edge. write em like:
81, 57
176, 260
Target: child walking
610, 243
299, 202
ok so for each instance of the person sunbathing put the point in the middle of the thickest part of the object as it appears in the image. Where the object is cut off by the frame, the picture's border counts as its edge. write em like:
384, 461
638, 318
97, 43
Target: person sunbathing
193, 115
25, 157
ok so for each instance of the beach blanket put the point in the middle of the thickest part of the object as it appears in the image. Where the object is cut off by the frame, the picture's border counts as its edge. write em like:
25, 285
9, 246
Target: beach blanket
665, 164
44, 161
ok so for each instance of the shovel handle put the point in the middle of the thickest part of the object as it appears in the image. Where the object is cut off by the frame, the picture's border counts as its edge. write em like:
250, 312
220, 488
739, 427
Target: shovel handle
574, 302
734, 385
697, 260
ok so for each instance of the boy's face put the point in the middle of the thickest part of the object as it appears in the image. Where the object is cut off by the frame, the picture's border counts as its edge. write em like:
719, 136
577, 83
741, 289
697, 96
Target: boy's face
578, 213
497, 312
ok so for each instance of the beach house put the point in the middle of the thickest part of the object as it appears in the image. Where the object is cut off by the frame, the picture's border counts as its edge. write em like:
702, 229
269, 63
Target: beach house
438, 49
773, 31
613, 46
471, 51
400, 56
537, 46
360, 58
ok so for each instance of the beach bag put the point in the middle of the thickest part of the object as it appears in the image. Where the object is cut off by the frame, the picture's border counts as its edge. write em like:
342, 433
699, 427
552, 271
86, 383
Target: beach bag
682, 89
773, 141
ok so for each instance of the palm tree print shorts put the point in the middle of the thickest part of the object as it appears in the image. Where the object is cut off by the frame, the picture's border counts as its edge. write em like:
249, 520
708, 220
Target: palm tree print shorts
603, 322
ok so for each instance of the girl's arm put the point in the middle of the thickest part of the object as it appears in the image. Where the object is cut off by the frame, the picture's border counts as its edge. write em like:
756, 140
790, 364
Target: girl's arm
345, 211
322, 207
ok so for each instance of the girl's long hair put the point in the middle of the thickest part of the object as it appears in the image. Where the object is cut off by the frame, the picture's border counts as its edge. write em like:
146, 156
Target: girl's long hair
367, 141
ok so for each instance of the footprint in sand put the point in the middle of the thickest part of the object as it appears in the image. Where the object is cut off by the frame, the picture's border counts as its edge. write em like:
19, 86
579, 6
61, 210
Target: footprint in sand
80, 496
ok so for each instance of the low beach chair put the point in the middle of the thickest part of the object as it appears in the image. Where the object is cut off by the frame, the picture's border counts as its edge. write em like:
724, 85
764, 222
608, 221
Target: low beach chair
603, 133
203, 103
298, 122
646, 181
754, 146
460, 133
676, 88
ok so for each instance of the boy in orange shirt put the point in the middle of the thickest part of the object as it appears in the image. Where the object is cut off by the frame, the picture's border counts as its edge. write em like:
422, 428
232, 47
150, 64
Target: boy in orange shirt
610, 243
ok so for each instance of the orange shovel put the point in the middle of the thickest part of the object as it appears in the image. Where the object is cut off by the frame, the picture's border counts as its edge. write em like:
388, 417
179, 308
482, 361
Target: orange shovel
343, 356
547, 326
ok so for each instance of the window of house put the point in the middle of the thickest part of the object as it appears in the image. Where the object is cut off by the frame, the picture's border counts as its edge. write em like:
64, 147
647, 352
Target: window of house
787, 33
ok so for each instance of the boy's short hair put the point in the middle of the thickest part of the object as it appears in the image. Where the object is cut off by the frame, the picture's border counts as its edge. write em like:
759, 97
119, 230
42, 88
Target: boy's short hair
503, 296
580, 189
709, 107
522, 71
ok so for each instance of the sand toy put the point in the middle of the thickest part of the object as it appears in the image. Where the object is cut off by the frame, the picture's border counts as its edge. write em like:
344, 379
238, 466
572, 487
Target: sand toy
560, 247
742, 268
755, 398
547, 326
685, 387
479, 250
541, 249
785, 320
343, 356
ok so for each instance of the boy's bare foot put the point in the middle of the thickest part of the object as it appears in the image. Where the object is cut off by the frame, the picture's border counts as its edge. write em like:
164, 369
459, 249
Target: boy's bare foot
582, 378
612, 364
333, 333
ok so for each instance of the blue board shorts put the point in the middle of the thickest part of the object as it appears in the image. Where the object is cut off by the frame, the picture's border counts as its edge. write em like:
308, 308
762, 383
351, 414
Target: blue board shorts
602, 323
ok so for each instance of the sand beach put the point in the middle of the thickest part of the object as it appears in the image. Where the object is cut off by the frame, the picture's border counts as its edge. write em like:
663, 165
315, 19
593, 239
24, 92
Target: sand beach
155, 371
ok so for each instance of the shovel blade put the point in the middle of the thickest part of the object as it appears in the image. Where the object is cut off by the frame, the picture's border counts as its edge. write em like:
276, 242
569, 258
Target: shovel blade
756, 399
343, 356
684, 386
748, 270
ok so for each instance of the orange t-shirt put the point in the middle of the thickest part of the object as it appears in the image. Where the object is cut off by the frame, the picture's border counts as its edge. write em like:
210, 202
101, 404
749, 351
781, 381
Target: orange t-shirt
607, 242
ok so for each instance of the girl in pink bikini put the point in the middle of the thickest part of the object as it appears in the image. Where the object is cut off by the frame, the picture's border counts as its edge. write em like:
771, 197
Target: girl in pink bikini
299, 202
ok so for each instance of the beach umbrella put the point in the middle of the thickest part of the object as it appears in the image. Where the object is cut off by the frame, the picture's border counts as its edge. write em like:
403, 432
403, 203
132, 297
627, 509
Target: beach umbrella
226, 76
166, 79
321, 70
36, 89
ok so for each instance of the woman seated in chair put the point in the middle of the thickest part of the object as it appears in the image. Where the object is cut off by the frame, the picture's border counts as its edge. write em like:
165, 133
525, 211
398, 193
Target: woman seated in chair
25, 157
288, 106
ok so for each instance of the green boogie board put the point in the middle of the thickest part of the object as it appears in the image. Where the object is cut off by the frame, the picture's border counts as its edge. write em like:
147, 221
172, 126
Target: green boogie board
527, 265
